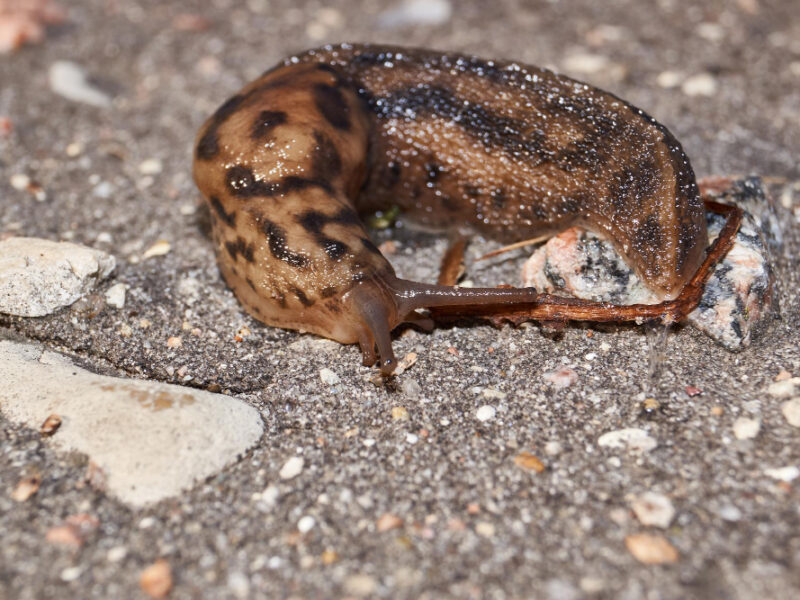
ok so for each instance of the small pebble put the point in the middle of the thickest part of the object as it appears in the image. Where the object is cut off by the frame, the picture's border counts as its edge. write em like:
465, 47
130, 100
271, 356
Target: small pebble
399, 413
485, 529
160, 248
360, 585
552, 448
786, 474
20, 181
561, 378
486, 413
329, 557
412, 438
69, 80
64, 535
785, 388
292, 467
239, 584
636, 440
328, 377
702, 84
306, 524
115, 295
729, 512
745, 428
71, 573
791, 411
116, 554
174, 341
26, 487
387, 522
74, 149
653, 509
493, 394
651, 549
156, 580
416, 12
527, 461
50, 425
151, 166
669, 79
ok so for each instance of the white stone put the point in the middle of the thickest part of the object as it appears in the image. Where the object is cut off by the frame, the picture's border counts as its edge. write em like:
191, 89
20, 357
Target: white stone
71, 573
653, 509
20, 181
636, 440
486, 413
38, 276
151, 440
151, 166
669, 79
306, 524
785, 388
116, 554
328, 377
69, 80
416, 12
292, 467
786, 474
412, 438
485, 529
585, 64
115, 295
702, 84
791, 411
239, 584
729, 512
745, 428
493, 394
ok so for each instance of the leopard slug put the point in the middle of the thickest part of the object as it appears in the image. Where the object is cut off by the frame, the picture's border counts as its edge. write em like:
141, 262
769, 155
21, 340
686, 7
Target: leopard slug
508, 150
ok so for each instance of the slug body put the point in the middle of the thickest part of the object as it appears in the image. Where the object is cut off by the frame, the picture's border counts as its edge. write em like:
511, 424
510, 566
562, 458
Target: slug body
511, 151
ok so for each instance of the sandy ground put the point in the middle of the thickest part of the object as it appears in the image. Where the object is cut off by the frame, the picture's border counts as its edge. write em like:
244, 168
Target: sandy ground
470, 521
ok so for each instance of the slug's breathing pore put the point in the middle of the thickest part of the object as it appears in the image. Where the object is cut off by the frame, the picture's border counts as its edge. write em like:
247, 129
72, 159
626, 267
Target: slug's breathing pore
510, 151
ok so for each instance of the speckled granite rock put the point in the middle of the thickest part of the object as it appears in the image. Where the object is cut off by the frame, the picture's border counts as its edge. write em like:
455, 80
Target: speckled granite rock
737, 297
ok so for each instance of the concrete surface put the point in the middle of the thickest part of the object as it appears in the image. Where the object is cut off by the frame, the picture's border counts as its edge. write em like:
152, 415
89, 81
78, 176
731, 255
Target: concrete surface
428, 485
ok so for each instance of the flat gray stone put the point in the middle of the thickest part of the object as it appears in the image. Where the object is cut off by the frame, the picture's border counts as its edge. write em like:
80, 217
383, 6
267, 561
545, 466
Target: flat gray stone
37, 276
152, 440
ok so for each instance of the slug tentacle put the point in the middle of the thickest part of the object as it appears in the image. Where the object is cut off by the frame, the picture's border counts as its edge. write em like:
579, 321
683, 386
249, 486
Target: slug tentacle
508, 150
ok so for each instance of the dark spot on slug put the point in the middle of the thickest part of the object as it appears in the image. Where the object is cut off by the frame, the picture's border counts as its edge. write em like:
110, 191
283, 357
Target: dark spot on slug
498, 197
280, 297
242, 183
240, 247
278, 247
294, 183
301, 295
326, 162
333, 248
313, 220
328, 292
333, 106
229, 218
393, 172
208, 145
266, 121
433, 170
251, 284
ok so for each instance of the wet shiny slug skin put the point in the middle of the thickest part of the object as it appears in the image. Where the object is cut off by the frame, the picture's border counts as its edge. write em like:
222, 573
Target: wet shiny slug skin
508, 150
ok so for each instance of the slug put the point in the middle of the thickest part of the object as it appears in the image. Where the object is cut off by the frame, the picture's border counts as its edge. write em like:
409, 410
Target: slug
503, 149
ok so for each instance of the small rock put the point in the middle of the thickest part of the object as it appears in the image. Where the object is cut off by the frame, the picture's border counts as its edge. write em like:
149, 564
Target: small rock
585, 64
64, 535
292, 467
702, 84
115, 295
729, 512
552, 448
71, 574
329, 557
412, 438
791, 411
416, 12
635, 440
653, 509
405, 363
328, 377
492, 394
50, 425
484, 529
399, 413
651, 549
787, 474
486, 413
360, 585
306, 524
785, 388
156, 580
151, 166
26, 487
745, 428
38, 276
116, 554
69, 80
174, 341
669, 79
561, 378
387, 522
160, 248
20, 181
527, 461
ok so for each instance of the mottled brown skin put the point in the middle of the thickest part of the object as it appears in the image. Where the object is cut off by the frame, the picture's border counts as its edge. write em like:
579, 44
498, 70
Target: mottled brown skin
507, 150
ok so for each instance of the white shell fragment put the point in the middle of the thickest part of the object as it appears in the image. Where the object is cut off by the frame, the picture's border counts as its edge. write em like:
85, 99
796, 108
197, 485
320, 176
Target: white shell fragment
633, 439
737, 297
37, 277
653, 509
69, 80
